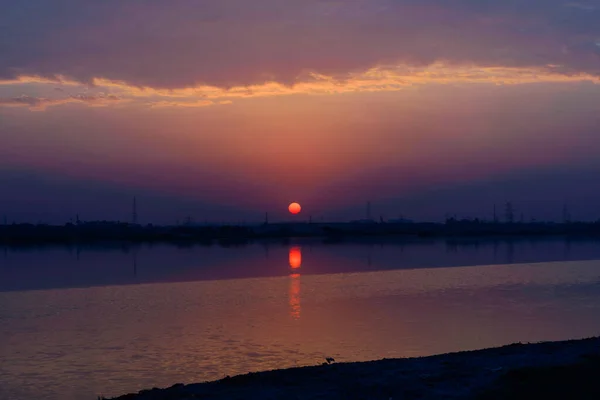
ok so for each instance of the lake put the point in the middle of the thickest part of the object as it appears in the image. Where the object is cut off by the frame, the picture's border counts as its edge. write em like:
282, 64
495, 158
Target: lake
76, 323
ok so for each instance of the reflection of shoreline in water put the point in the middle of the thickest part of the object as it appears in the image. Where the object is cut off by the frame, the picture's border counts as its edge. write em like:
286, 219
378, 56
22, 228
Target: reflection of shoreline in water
83, 266
295, 260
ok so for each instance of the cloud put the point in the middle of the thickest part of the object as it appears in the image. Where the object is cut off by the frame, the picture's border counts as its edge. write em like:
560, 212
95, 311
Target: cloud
234, 43
41, 103
379, 79
197, 103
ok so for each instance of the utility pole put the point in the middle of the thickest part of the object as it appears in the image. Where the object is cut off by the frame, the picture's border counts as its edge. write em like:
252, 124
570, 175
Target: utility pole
266, 218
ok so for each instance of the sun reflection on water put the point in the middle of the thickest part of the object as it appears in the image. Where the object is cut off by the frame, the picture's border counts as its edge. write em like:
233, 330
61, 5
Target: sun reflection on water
295, 259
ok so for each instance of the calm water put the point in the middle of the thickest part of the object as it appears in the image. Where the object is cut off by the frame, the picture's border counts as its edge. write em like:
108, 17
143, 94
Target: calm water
78, 323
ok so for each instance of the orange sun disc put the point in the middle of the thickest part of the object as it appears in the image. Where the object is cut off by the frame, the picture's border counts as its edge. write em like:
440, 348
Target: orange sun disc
294, 208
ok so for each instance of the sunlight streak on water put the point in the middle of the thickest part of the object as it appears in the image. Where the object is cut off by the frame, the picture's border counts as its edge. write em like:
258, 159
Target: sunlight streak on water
295, 296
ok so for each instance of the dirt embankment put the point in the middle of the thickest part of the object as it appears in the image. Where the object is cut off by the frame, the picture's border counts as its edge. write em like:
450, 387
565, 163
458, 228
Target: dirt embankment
553, 370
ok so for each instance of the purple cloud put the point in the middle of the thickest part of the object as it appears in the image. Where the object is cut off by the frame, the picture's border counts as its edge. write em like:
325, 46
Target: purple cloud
41, 103
237, 42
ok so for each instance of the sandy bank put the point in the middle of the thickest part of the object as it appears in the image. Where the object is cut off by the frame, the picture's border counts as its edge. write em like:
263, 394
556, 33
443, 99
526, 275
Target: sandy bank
553, 370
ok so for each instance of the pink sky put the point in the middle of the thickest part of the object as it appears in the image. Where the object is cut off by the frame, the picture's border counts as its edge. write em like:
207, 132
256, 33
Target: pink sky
241, 109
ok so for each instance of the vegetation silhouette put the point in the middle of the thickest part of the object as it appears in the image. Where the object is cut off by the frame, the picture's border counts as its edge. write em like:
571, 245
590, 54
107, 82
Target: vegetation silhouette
235, 235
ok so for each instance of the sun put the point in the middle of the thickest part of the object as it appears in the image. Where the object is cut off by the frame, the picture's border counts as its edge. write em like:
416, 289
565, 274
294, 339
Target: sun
294, 208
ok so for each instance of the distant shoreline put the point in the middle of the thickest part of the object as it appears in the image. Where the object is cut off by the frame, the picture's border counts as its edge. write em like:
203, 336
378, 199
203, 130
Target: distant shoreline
550, 370
116, 232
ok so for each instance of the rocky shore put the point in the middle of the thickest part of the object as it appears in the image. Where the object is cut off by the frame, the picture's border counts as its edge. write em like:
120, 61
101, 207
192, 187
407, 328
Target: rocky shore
552, 370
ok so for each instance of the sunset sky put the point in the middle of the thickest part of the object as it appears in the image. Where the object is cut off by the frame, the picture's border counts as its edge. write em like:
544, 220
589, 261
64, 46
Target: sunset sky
224, 109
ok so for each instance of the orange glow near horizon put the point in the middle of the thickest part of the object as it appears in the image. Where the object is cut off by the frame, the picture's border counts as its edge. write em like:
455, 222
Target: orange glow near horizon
333, 152
294, 208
